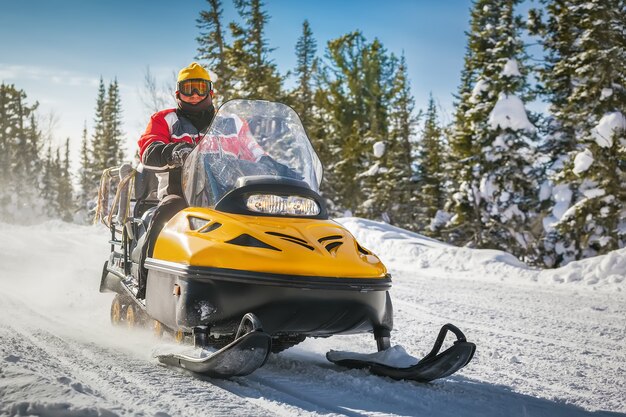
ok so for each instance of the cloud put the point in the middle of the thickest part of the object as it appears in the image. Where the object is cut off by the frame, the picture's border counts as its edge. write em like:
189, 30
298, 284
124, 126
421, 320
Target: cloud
11, 73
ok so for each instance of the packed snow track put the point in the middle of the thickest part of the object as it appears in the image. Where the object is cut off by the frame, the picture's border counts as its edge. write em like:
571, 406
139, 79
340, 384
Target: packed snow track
550, 343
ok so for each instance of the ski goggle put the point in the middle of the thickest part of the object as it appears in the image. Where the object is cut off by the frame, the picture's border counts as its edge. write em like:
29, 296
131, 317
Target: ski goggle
198, 86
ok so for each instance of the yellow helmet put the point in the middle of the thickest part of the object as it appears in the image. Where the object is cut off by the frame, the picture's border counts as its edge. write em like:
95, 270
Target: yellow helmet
193, 71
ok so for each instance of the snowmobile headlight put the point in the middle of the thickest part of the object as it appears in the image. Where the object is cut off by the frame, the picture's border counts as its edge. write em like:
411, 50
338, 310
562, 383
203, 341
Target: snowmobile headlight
282, 205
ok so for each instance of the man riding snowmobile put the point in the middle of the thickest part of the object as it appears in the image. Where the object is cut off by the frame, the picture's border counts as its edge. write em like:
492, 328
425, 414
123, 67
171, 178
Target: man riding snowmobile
171, 135
254, 265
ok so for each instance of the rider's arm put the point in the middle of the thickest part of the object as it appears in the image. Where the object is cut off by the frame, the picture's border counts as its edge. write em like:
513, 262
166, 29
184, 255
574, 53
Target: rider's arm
155, 145
254, 151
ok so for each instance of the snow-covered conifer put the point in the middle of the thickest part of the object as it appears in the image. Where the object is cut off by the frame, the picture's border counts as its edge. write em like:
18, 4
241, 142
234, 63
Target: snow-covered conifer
20, 162
585, 79
431, 176
475, 100
358, 82
115, 135
65, 190
86, 190
495, 195
99, 140
301, 98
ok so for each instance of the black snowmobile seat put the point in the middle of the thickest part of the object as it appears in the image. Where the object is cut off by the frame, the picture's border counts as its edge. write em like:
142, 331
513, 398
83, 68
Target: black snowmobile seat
145, 195
140, 234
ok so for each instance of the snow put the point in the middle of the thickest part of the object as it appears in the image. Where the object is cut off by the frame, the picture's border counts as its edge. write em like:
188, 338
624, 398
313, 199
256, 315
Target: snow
545, 191
562, 195
379, 149
582, 162
594, 192
480, 87
441, 218
606, 93
371, 171
487, 187
550, 342
509, 113
609, 125
511, 69
395, 356
500, 142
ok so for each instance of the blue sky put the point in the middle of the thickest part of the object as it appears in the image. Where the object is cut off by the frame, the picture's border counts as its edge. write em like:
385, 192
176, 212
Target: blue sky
57, 50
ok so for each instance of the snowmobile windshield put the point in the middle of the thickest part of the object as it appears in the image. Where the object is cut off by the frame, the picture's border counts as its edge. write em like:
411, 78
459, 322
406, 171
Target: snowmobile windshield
249, 138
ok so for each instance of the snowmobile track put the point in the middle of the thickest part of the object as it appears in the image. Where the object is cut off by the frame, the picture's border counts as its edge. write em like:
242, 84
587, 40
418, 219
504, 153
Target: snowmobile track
127, 383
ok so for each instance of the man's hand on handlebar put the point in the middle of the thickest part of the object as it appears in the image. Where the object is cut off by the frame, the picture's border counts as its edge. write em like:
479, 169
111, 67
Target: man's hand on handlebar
179, 154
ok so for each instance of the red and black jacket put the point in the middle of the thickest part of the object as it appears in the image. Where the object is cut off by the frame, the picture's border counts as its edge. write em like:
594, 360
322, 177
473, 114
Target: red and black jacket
165, 130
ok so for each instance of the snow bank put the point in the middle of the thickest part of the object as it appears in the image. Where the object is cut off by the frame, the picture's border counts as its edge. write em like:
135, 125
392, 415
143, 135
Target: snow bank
509, 113
606, 271
403, 250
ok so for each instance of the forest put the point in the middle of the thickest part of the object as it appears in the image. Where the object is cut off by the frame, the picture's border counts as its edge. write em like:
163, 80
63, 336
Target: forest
546, 187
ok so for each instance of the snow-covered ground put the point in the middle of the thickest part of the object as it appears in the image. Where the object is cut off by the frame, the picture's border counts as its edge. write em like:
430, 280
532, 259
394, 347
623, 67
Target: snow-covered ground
550, 343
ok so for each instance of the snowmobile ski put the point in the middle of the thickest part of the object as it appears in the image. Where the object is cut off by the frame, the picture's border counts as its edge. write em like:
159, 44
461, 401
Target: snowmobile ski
433, 366
241, 357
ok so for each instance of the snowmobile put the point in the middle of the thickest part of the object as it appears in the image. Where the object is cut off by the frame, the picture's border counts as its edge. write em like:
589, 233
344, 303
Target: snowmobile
254, 265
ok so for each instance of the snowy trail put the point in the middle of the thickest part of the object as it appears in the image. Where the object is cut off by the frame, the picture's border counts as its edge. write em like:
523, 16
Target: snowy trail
541, 342
542, 350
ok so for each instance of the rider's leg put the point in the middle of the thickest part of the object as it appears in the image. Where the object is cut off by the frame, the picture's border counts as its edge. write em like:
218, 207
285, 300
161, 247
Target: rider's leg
167, 208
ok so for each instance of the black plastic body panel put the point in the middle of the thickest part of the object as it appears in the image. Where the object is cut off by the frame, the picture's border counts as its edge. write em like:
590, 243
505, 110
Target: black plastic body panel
316, 307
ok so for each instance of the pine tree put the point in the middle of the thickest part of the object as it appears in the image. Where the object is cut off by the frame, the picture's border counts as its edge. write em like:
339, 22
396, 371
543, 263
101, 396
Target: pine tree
48, 184
302, 97
87, 189
56, 204
431, 177
99, 141
213, 48
257, 74
20, 163
114, 134
357, 83
590, 116
65, 193
107, 150
509, 182
496, 190
472, 111
557, 77
402, 197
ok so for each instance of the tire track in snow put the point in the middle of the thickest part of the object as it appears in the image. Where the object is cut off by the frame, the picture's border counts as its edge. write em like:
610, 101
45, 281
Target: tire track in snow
124, 382
349, 392
552, 322
524, 334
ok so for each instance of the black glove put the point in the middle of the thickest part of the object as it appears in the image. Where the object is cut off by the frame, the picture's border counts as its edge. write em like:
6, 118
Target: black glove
177, 154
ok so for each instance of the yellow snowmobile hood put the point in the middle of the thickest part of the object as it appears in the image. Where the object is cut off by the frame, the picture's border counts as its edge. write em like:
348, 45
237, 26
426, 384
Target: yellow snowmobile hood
203, 237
